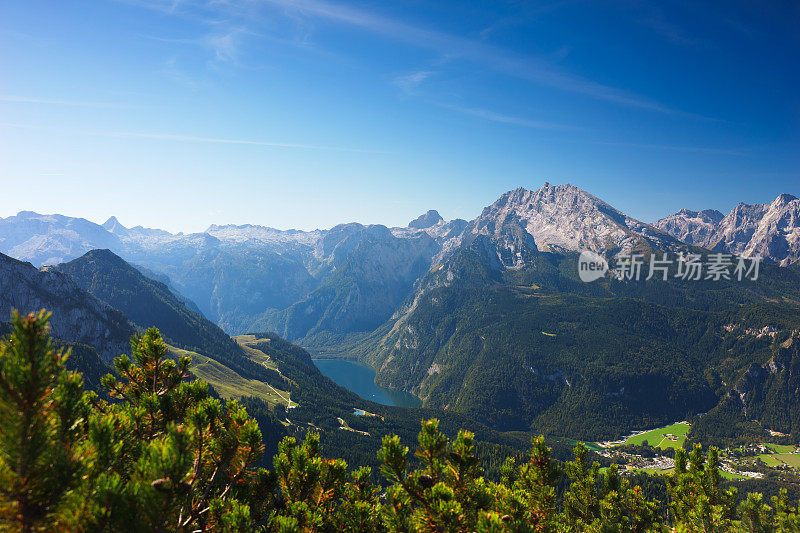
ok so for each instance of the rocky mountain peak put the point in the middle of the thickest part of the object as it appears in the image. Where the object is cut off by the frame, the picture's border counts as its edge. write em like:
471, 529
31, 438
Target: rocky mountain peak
426, 220
113, 225
110, 223
706, 215
104, 255
769, 230
691, 227
711, 214
566, 217
77, 316
782, 200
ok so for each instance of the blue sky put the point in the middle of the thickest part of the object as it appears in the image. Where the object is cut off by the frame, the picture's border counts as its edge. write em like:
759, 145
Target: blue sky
307, 113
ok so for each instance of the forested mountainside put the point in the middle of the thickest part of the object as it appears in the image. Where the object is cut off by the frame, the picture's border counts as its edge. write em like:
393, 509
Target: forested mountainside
765, 395
195, 464
535, 347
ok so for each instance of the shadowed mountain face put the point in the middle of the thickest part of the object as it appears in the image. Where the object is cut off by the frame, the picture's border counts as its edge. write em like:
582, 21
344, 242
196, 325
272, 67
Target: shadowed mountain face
93, 331
77, 316
150, 303
363, 289
87, 297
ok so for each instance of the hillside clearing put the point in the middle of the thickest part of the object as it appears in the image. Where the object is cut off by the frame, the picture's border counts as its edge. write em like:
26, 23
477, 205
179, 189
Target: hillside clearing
672, 436
228, 383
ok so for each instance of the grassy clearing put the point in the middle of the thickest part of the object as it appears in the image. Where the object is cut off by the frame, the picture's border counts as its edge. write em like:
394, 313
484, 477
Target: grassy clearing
227, 382
345, 426
781, 448
658, 437
769, 460
728, 475
256, 355
655, 471
791, 459
593, 446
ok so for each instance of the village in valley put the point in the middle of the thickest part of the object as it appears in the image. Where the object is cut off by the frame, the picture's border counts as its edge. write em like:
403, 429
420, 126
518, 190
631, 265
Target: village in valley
653, 451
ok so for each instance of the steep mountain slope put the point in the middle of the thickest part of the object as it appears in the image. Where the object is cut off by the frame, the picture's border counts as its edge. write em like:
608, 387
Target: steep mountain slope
163, 278
771, 393
769, 230
535, 347
229, 284
76, 316
148, 303
764, 397
94, 332
372, 272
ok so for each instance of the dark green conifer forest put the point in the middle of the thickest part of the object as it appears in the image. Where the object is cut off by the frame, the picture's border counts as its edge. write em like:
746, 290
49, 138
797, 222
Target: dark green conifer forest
162, 453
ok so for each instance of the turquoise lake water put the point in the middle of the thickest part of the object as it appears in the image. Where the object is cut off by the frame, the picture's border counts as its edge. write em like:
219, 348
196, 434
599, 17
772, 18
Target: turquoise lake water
360, 378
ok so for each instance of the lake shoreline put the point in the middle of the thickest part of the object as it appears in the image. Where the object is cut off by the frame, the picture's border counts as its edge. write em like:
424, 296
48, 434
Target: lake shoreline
359, 378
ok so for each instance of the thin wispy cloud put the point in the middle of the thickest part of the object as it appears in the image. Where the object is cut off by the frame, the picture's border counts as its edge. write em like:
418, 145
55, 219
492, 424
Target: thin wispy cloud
532, 69
53, 101
217, 140
164, 6
522, 67
410, 82
655, 19
507, 119
172, 70
195, 139
696, 149
223, 45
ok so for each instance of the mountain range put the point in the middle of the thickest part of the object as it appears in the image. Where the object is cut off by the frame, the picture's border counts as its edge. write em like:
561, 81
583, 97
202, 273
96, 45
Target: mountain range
485, 317
768, 230
266, 373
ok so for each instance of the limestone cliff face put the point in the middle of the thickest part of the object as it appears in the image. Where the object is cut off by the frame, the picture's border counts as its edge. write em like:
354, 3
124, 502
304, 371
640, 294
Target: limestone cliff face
692, 227
771, 230
565, 217
77, 317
